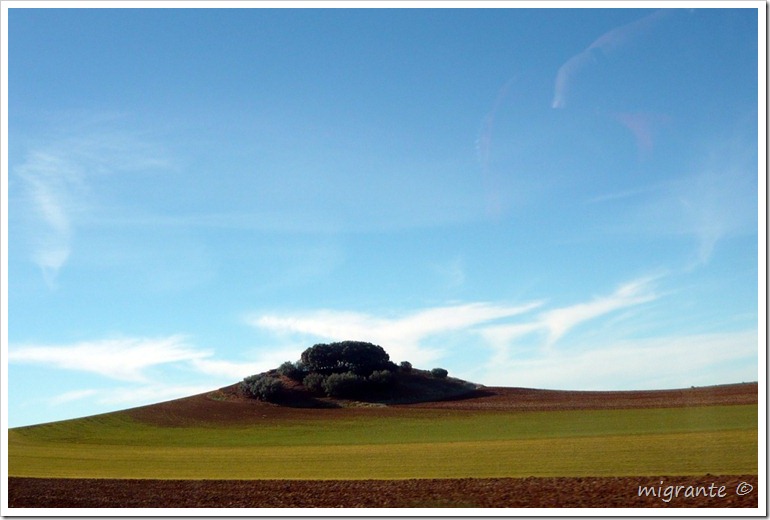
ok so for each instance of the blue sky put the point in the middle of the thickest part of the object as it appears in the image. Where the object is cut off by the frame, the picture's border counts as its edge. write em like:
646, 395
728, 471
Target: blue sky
553, 198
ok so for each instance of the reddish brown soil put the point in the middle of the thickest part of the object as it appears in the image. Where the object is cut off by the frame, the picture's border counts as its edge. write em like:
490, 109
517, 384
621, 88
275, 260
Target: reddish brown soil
476, 493
225, 406
496, 398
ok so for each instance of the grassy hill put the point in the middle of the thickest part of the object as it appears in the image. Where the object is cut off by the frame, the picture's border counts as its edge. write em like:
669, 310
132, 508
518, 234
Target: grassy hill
488, 432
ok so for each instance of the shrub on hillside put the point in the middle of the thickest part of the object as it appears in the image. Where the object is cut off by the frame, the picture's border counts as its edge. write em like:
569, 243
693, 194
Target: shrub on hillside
314, 382
262, 386
346, 384
381, 379
294, 371
439, 373
406, 366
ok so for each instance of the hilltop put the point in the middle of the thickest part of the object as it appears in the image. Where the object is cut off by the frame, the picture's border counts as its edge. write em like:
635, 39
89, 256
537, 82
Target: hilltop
338, 374
226, 405
355, 373
229, 404
415, 386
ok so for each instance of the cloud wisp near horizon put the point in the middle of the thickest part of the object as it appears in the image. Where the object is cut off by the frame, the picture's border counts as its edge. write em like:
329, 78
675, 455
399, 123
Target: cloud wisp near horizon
512, 345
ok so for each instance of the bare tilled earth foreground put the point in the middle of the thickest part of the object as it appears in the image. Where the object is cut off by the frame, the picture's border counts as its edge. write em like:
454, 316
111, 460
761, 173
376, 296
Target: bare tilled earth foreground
224, 406
477, 493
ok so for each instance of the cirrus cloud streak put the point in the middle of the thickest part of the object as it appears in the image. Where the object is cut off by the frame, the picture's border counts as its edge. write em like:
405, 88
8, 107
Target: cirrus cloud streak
125, 359
403, 337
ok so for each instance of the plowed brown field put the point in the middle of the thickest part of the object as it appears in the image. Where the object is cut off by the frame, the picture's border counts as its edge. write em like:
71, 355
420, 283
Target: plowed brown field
226, 407
477, 493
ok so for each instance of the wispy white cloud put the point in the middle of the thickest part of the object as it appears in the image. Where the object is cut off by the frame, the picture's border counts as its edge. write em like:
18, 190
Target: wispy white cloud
674, 361
522, 353
136, 371
72, 395
56, 181
715, 202
151, 393
713, 198
138, 394
124, 359
533, 345
403, 337
551, 325
51, 184
559, 321
412, 336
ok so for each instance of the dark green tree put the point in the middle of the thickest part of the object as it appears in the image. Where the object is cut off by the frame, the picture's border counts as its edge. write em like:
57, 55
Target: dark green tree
358, 357
322, 358
363, 358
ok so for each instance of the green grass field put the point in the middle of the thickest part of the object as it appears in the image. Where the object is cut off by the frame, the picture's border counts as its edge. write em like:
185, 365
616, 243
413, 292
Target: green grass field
399, 444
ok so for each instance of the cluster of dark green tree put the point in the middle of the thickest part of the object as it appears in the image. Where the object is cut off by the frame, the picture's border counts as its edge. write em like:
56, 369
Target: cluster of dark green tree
346, 369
